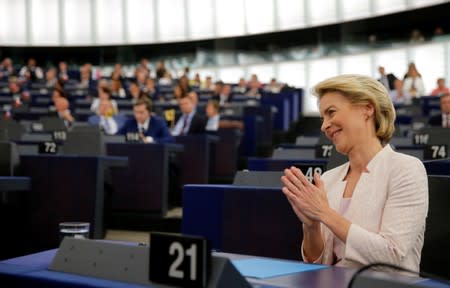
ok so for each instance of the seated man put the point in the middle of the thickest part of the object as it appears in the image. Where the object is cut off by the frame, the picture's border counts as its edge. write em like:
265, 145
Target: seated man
63, 111
443, 119
149, 127
190, 122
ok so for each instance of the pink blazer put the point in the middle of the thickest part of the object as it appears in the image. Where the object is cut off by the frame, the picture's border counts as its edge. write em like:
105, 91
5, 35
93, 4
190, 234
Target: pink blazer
388, 212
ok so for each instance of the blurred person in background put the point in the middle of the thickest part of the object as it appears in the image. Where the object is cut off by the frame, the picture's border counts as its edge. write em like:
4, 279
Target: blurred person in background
6, 68
182, 88
442, 119
212, 112
241, 88
151, 90
63, 72
413, 82
104, 93
51, 78
208, 84
135, 93
189, 122
441, 88
399, 95
225, 97
31, 72
105, 118
386, 79
166, 79
116, 85
160, 70
416, 36
273, 86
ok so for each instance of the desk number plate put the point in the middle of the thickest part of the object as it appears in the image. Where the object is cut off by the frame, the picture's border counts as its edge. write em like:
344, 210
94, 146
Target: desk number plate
179, 260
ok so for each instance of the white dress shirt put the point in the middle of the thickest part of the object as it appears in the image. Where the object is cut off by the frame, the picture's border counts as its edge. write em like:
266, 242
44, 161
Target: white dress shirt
143, 127
179, 129
213, 123
446, 120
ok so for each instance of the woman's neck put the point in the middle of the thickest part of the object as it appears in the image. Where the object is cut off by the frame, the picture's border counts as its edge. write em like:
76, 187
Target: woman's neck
361, 156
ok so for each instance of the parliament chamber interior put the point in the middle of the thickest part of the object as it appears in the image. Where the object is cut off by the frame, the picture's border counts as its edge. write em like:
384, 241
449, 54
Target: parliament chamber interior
151, 121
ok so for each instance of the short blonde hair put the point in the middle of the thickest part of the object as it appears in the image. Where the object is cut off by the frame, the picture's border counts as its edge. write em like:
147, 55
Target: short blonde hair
359, 89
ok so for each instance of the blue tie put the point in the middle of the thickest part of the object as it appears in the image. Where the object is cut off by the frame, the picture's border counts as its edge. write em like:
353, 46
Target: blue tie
185, 125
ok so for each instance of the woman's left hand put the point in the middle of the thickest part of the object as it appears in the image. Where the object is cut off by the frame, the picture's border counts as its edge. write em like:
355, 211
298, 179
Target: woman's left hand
311, 198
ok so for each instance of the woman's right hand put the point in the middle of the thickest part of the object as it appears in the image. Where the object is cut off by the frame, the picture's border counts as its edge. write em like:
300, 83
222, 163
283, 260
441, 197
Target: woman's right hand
308, 222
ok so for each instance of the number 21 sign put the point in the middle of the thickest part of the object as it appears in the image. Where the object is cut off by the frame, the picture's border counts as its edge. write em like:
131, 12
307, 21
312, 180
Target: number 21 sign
179, 260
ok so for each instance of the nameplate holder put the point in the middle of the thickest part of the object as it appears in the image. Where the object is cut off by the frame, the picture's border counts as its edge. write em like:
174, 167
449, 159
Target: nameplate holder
129, 262
48, 147
132, 137
310, 169
323, 150
435, 151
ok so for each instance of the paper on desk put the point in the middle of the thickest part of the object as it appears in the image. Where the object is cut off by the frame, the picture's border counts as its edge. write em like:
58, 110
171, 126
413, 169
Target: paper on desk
267, 268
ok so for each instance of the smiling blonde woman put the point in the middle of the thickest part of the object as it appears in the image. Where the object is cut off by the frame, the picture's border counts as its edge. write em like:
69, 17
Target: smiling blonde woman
372, 208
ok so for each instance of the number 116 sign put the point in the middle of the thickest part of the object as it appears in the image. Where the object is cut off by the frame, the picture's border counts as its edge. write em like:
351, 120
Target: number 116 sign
179, 260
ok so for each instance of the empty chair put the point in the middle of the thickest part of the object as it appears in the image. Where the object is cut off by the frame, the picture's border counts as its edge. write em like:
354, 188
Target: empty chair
87, 141
11, 130
401, 141
436, 252
9, 159
51, 124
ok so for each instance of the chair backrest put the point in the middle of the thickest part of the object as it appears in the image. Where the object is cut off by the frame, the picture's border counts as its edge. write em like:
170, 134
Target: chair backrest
11, 130
87, 141
9, 159
306, 140
258, 178
51, 124
436, 251
294, 153
437, 167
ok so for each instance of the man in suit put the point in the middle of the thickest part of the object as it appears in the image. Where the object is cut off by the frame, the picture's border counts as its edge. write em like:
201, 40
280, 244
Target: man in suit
225, 98
443, 119
386, 79
190, 122
149, 127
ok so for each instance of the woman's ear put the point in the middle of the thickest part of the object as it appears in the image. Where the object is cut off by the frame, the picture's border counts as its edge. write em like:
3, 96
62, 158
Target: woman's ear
369, 109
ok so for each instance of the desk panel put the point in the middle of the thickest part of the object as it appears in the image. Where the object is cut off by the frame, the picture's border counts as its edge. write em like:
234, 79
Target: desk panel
144, 185
248, 220
64, 188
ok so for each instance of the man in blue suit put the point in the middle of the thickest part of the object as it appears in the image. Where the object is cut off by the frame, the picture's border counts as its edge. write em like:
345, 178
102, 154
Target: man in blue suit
149, 127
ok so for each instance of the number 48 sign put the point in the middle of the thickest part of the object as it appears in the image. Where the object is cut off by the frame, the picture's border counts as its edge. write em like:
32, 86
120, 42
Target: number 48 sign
179, 260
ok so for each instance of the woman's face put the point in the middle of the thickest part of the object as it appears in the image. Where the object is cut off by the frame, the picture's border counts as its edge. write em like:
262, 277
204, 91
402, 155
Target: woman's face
344, 123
